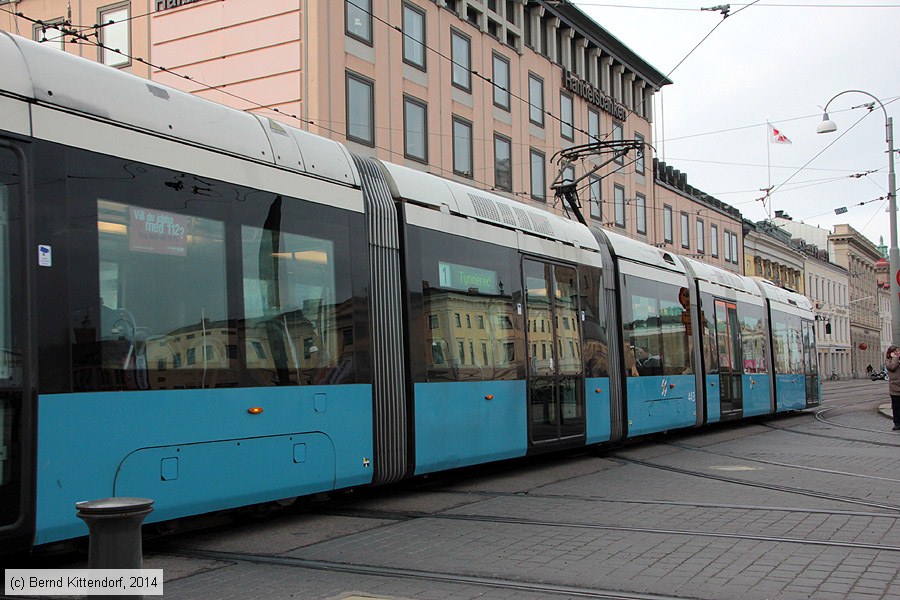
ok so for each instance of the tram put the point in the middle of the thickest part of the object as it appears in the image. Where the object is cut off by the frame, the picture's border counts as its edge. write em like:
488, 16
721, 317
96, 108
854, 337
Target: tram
216, 310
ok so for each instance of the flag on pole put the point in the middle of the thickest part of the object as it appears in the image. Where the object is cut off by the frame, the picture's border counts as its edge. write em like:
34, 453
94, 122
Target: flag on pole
776, 137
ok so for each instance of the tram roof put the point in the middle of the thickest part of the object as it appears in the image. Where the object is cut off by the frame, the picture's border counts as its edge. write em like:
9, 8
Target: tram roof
60, 79
718, 276
459, 199
626, 248
786, 298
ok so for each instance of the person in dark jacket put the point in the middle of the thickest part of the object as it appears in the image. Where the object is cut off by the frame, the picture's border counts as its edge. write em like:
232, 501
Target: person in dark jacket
892, 358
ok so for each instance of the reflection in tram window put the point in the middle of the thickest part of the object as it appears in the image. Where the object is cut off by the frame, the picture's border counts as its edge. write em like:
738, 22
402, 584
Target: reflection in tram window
465, 293
657, 327
161, 295
788, 341
289, 305
753, 338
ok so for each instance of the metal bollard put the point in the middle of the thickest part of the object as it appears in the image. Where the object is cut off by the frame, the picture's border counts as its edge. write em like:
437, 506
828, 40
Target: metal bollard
114, 525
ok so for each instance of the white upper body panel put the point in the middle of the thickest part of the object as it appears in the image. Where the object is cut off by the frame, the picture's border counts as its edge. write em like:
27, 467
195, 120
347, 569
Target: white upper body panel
65, 81
627, 249
464, 201
724, 283
784, 300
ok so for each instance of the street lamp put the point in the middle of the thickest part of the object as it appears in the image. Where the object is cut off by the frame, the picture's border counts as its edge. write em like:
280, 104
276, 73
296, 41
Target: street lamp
828, 126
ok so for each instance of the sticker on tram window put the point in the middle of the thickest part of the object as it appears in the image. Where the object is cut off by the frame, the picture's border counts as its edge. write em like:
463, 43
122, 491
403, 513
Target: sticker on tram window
45, 255
157, 232
462, 277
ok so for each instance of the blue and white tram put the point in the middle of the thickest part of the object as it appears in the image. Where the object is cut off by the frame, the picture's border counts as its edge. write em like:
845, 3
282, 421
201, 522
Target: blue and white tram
734, 343
213, 309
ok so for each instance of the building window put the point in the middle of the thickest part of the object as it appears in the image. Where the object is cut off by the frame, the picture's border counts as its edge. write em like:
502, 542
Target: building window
593, 126
502, 163
360, 109
639, 154
461, 55
640, 204
414, 36
727, 247
115, 34
617, 137
359, 19
735, 255
619, 204
538, 184
714, 240
566, 117
536, 99
701, 247
415, 129
462, 147
596, 198
48, 34
668, 233
501, 82
685, 230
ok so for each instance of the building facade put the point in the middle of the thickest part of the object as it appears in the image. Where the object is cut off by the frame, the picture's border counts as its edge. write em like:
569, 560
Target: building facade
859, 256
487, 92
770, 253
693, 223
828, 287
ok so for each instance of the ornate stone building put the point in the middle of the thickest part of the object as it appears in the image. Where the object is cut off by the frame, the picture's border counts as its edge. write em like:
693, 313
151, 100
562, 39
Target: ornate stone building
859, 256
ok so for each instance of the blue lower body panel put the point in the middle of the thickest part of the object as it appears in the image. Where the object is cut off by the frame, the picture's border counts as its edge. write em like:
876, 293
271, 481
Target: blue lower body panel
790, 392
196, 451
458, 425
713, 399
661, 403
596, 409
757, 392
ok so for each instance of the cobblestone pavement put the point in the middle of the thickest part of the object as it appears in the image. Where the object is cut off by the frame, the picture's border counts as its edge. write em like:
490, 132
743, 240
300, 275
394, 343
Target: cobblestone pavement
790, 508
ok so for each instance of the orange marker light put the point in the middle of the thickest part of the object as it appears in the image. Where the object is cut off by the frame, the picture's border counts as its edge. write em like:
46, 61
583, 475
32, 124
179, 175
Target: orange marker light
599, 391
255, 410
489, 397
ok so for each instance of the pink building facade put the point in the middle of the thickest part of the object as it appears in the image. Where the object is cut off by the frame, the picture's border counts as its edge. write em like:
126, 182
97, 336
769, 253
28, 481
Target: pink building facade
487, 92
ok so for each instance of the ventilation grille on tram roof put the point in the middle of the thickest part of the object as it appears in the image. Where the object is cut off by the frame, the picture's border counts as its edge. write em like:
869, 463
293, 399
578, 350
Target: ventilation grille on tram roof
512, 216
485, 207
524, 221
507, 214
542, 224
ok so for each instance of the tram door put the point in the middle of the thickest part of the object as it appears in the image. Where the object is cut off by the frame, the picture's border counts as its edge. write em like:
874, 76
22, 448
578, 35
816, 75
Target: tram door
553, 340
728, 342
810, 362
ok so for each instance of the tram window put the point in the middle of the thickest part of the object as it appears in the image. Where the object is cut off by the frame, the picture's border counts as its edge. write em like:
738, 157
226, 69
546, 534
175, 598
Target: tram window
753, 338
289, 305
707, 314
464, 277
8, 183
595, 352
162, 293
657, 328
788, 340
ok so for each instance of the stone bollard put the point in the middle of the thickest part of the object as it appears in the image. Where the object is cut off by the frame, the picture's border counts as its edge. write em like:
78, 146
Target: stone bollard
114, 525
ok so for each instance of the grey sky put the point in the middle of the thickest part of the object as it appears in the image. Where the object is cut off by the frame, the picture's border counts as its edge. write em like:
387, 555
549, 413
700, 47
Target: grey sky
779, 60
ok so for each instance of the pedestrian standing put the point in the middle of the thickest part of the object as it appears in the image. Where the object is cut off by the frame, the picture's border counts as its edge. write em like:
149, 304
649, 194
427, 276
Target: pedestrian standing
893, 367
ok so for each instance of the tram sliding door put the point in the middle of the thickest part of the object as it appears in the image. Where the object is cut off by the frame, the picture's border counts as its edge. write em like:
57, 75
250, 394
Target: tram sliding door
810, 363
555, 375
16, 430
728, 341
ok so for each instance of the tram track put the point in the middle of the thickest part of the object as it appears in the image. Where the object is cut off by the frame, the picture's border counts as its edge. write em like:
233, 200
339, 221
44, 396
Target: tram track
781, 464
766, 486
835, 437
540, 588
411, 515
